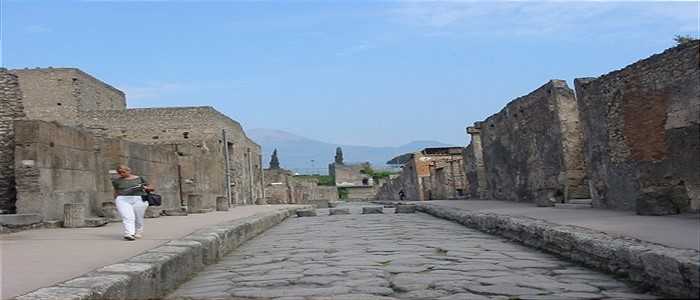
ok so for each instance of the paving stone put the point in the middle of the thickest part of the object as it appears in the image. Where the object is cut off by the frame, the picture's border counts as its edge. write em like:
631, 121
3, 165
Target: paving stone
465, 296
306, 213
405, 209
503, 289
339, 211
392, 256
372, 210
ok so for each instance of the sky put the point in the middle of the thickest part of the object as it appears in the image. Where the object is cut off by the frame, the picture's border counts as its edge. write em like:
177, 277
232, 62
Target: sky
377, 73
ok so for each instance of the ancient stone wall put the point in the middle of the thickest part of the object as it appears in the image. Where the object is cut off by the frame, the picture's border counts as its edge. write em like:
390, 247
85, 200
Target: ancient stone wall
282, 187
527, 156
56, 165
447, 180
62, 94
642, 135
202, 171
350, 174
11, 108
195, 126
470, 177
360, 193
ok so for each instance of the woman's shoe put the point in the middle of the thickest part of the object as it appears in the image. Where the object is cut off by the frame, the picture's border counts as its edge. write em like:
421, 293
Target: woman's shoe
129, 237
138, 235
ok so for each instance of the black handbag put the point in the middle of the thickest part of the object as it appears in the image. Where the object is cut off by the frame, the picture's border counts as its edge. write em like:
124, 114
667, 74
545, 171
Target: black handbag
152, 199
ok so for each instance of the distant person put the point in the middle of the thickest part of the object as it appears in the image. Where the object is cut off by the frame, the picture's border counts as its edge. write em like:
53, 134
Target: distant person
128, 189
402, 195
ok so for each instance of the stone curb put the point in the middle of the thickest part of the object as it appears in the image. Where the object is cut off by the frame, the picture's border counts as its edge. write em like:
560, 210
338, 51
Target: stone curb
664, 270
156, 272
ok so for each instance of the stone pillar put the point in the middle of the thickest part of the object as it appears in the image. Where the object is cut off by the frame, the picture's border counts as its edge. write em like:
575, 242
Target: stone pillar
73, 215
222, 204
481, 182
11, 109
194, 203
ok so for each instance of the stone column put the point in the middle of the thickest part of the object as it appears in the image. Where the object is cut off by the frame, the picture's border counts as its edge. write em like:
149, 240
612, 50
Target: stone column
222, 204
73, 215
194, 203
481, 183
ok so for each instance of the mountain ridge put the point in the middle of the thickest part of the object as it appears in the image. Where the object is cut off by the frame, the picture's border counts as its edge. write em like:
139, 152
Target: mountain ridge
306, 156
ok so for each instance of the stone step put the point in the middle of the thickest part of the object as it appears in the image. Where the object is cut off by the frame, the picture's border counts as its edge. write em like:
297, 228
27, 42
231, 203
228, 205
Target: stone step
580, 201
570, 205
20, 219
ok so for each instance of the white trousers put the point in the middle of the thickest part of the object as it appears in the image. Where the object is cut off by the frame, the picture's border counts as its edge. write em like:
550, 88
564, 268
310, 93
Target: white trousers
131, 209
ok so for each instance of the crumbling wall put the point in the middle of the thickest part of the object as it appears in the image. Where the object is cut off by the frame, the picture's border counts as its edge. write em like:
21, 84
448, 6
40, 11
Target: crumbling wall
406, 182
11, 108
63, 94
471, 181
202, 171
642, 135
526, 155
282, 187
351, 174
193, 126
447, 180
56, 165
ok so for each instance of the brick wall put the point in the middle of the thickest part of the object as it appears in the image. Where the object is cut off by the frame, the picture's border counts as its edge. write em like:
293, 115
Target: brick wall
62, 94
642, 135
447, 180
11, 108
532, 148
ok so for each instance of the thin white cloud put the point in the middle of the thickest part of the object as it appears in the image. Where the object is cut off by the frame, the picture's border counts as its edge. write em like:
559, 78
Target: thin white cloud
166, 90
538, 18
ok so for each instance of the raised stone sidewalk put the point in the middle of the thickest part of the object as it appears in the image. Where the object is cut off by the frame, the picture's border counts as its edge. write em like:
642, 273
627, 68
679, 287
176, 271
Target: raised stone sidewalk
659, 263
94, 263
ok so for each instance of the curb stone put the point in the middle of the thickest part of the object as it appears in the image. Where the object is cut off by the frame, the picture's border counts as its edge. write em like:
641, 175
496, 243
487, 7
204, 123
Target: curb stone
155, 272
665, 270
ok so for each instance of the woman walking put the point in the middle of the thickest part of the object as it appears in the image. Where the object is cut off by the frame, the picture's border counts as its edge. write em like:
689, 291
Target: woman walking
128, 189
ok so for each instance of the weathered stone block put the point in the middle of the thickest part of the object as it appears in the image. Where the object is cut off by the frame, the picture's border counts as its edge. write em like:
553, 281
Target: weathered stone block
406, 209
20, 219
339, 211
222, 204
175, 212
73, 215
96, 222
306, 213
332, 204
372, 210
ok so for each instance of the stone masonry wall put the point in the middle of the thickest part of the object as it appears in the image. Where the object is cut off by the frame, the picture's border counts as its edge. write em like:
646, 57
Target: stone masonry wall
281, 187
642, 134
447, 180
531, 148
196, 126
11, 108
56, 164
62, 94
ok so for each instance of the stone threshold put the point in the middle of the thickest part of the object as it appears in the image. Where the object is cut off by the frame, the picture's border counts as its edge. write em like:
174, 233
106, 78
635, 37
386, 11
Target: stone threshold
662, 270
156, 272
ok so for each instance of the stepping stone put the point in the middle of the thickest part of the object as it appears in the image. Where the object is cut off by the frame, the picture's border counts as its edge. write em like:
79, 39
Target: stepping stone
339, 211
372, 210
306, 213
175, 212
406, 209
96, 222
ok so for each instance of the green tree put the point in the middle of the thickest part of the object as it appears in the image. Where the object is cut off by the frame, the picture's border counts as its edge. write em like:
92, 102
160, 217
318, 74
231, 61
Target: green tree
274, 161
684, 39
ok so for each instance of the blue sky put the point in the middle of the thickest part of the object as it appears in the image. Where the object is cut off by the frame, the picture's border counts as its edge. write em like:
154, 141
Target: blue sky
351, 72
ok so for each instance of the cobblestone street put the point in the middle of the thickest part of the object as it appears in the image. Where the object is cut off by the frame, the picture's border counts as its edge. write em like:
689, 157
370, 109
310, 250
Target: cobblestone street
392, 256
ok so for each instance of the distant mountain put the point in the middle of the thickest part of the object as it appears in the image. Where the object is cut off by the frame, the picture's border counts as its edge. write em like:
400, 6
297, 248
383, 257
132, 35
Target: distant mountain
306, 156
